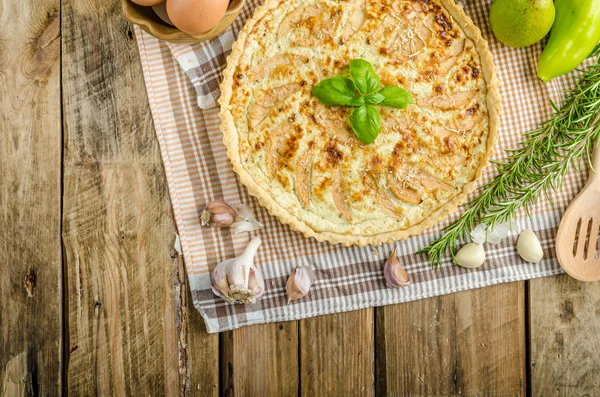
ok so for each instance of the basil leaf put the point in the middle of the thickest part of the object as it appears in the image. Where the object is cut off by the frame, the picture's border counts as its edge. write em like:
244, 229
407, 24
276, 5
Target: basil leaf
374, 98
395, 97
357, 101
364, 76
366, 123
336, 91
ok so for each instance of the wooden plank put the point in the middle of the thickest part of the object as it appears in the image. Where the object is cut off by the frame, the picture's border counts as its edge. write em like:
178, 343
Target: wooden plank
564, 342
490, 340
415, 348
30, 166
468, 343
337, 354
260, 360
129, 327
199, 351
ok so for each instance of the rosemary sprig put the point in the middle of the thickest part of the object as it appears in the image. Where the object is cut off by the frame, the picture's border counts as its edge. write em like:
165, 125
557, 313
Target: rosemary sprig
539, 164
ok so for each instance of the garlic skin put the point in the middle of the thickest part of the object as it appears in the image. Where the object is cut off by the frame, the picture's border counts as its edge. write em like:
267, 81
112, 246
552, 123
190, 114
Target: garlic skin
299, 283
470, 256
394, 273
244, 221
218, 213
529, 247
484, 234
237, 279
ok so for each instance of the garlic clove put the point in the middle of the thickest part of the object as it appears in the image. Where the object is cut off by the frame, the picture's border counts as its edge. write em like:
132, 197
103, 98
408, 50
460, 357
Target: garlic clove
218, 278
529, 247
237, 279
470, 256
394, 273
217, 213
299, 283
256, 283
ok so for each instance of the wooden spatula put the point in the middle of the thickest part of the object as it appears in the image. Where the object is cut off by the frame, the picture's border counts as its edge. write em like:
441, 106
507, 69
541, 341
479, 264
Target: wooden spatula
577, 240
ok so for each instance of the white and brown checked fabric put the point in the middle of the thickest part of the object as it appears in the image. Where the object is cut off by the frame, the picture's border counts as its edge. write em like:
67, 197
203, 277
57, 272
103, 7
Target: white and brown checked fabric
182, 84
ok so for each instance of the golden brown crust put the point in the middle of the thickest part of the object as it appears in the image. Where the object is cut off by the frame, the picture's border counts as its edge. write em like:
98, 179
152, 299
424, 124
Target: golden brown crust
231, 138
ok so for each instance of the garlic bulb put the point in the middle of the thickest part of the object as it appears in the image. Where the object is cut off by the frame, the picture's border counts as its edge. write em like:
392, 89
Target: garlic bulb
299, 283
394, 272
218, 213
529, 247
237, 279
470, 256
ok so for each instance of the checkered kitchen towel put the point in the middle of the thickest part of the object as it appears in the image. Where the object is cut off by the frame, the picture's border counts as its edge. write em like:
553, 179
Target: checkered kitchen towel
182, 83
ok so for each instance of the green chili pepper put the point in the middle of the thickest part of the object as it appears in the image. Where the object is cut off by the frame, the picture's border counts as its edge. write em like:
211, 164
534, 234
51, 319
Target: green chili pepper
575, 33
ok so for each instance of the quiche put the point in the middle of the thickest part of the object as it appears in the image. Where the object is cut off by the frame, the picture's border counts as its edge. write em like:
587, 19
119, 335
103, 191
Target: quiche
302, 160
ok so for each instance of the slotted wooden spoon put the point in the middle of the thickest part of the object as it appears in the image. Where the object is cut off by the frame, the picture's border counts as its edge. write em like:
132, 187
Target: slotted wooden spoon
578, 240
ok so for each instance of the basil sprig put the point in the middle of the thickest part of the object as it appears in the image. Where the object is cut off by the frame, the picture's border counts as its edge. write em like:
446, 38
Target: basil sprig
362, 92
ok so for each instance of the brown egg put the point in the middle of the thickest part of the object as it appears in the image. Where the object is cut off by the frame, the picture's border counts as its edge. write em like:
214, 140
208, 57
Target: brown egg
161, 11
196, 16
147, 2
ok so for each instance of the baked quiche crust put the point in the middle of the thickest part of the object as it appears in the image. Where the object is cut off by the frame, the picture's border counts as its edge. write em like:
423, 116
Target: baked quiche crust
416, 172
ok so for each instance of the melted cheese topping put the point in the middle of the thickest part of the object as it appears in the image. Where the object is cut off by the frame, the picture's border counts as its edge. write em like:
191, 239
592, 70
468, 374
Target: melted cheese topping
306, 156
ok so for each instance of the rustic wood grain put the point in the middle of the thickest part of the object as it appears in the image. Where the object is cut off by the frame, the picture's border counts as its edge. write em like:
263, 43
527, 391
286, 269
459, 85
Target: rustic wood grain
199, 351
469, 343
337, 355
415, 348
132, 326
18, 377
30, 164
565, 337
260, 360
126, 315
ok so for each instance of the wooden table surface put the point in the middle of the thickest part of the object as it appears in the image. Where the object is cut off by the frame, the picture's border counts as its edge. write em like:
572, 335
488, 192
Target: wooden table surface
94, 300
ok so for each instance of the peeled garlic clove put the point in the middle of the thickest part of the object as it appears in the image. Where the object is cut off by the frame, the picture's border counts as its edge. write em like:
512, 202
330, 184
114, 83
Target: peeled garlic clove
237, 279
394, 272
299, 283
217, 213
529, 247
470, 256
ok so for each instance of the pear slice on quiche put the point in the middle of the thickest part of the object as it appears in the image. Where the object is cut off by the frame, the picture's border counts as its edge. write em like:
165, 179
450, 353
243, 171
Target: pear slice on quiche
302, 160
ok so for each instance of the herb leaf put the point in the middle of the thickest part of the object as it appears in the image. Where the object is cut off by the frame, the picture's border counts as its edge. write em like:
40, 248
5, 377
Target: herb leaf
395, 97
336, 91
357, 101
364, 76
374, 98
366, 123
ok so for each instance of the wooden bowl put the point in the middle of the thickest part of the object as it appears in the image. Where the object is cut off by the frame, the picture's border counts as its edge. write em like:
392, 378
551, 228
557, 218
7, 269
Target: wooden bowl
146, 19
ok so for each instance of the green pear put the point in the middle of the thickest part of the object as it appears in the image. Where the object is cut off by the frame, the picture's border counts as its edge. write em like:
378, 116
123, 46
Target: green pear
521, 23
